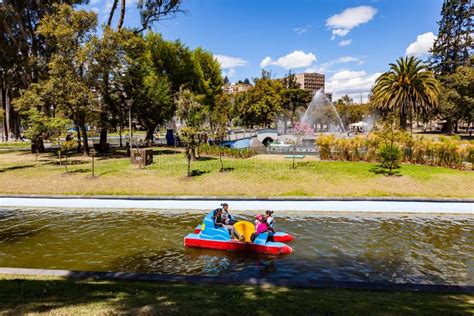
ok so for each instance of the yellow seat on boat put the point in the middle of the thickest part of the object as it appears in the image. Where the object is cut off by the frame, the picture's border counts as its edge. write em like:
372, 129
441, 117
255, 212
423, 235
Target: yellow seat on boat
245, 228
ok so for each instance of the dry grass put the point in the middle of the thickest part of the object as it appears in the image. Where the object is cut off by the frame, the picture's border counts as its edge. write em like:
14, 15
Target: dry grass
265, 175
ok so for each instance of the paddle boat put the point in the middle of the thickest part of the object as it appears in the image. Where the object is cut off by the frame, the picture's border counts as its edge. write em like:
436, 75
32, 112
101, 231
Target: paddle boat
210, 236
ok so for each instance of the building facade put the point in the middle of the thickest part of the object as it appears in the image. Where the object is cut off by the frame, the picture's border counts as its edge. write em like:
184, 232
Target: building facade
311, 82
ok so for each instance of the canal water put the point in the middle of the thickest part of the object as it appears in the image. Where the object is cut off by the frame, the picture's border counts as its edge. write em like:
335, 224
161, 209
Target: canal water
428, 249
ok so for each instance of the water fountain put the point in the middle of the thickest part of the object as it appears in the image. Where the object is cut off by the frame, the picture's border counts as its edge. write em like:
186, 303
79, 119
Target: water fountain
323, 114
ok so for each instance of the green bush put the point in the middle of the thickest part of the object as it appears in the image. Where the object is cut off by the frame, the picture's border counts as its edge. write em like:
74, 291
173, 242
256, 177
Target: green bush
389, 156
213, 150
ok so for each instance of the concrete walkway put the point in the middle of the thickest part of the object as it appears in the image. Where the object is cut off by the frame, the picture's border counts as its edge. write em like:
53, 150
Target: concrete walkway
358, 205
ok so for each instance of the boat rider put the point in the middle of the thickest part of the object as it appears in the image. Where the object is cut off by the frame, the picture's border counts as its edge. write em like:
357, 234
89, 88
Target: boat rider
261, 227
229, 219
221, 220
269, 218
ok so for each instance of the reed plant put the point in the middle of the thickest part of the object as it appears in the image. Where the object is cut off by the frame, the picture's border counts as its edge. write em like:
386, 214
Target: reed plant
444, 152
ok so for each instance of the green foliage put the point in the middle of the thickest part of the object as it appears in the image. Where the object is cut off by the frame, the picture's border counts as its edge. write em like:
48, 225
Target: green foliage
409, 88
260, 105
452, 46
457, 96
226, 152
389, 156
294, 99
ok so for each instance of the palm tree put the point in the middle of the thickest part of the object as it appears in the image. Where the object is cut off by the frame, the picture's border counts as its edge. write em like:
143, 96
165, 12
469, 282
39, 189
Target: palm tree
409, 87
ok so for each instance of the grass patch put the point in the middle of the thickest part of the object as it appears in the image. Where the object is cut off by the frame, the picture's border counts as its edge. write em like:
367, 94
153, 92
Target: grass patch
261, 175
51, 295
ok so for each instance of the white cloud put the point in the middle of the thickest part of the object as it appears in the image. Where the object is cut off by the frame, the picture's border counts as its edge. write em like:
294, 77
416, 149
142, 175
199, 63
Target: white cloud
230, 73
296, 59
422, 45
345, 42
96, 10
265, 62
94, 2
339, 32
353, 83
229, 61
348, 74
325, 67
301, 30
342, 23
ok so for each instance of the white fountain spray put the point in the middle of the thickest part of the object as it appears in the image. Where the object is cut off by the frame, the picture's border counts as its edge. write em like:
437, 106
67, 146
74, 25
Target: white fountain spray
314, 110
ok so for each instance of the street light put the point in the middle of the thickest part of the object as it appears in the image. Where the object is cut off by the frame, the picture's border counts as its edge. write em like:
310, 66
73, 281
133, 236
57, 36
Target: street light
129, 104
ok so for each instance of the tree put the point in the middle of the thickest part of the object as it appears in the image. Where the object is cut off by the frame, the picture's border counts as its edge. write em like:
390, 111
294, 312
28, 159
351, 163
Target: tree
226, 80
109, 56
299, 131
190, 111
408, 88
151, 92
67, 88
389, 154
294, 99
221, 118
452, 48
457, 98
246, 81
260, 105
209, 79
150, 11
24, 52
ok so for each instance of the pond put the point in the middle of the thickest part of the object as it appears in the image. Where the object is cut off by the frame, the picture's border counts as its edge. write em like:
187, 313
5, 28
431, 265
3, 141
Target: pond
428, 249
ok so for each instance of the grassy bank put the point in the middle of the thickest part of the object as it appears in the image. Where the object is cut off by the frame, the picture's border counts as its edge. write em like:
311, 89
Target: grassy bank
262, 175
37, 295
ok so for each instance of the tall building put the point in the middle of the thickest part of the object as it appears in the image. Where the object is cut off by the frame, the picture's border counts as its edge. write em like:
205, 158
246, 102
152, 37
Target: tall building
310, 81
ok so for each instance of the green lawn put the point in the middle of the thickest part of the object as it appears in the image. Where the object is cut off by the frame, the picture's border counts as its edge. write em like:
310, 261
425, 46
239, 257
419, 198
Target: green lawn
48, 295
262, 175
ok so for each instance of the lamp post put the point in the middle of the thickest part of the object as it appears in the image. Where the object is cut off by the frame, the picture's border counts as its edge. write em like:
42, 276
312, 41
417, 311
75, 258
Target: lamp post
129, 104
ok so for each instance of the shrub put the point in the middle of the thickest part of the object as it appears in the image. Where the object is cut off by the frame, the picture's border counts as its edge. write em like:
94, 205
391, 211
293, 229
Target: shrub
389, 156
213, 150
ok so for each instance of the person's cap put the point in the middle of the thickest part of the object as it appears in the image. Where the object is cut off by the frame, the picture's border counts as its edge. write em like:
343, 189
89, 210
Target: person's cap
259, 217
269, 212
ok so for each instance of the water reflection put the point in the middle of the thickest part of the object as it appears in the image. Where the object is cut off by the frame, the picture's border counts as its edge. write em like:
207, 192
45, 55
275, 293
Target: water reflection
344, 247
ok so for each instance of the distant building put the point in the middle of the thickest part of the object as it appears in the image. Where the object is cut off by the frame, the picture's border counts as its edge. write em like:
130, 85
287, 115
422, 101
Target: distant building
310, 81
236, 87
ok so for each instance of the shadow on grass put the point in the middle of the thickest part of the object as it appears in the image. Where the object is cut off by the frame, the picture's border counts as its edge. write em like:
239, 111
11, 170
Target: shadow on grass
16, 168
22, 296
197, 173
69, 162
206, 158
159, 152
81, 170
385, 172
227, 169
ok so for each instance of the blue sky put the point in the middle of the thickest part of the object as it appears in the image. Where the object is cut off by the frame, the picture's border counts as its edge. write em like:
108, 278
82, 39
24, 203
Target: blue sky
350, 41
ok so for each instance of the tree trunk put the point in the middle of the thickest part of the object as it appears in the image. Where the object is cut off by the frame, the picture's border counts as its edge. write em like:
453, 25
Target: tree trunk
220, 157
37, 146
84, 139
103, 140
122, 16
188, 157
78, 138
193, 154
4, 107
111, 14
149, 132
120, 134
403, 120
